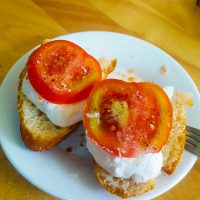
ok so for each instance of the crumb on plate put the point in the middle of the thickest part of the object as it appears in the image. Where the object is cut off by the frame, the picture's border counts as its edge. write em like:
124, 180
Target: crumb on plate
163, 69
131, 79
69, 149
131, 71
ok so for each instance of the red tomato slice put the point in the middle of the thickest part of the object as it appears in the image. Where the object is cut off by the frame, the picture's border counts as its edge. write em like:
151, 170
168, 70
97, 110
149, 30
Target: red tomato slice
127, 119
62, 72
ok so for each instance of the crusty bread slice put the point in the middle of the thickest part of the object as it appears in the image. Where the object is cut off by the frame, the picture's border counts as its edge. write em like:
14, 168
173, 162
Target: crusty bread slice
172, 153
37, 132
173, 150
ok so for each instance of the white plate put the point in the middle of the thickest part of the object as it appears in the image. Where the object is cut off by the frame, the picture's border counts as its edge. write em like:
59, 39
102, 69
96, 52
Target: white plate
71, 177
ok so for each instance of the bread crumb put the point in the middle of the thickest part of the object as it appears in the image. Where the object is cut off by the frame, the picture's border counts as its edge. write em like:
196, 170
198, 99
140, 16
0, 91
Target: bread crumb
107, 66
131, 79
69, 149
131, 71
189, 102
163, 69
110, 68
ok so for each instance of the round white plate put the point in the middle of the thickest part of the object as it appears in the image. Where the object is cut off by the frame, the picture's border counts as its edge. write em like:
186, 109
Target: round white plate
70, 175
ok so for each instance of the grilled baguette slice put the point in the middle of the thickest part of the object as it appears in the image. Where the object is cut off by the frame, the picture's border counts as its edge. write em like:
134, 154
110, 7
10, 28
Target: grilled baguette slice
38, 133
173, 150
172, 153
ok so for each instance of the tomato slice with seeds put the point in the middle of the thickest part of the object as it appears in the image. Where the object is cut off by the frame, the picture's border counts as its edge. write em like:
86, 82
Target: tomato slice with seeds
62, 72
128, 119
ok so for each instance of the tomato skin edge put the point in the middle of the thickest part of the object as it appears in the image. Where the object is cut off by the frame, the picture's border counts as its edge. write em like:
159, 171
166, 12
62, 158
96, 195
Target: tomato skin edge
167, 112
45, 91
163, 134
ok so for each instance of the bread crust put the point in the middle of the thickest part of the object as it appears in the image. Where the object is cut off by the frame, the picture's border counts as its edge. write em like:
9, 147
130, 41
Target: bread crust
32, 140
169, 168
129, 188
173, 150
39, 143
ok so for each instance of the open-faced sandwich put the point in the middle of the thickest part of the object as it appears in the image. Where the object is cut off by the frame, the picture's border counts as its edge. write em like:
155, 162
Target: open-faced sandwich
53, 88
133, 130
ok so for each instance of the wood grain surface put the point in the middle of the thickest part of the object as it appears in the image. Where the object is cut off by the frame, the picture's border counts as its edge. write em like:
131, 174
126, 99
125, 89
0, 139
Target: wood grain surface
172, 25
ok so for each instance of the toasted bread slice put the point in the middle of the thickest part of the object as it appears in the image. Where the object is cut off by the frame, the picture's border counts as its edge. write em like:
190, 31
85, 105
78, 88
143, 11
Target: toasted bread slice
173, 150
172, 153
37, 132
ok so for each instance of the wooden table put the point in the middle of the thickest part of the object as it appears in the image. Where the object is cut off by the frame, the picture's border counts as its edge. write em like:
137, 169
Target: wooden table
173, 25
